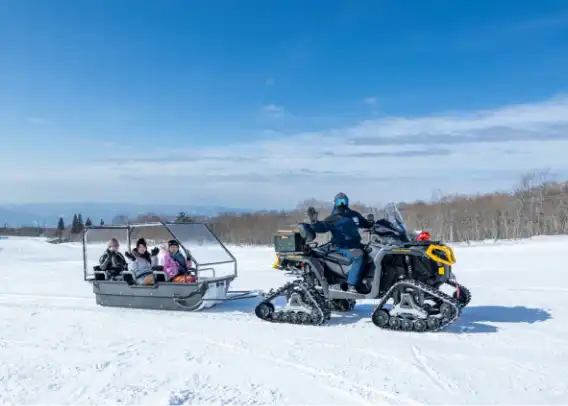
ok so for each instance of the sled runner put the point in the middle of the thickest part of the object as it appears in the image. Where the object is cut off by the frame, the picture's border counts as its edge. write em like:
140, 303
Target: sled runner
206, 283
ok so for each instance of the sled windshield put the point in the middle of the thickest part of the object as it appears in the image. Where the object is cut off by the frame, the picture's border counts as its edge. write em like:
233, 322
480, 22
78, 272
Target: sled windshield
203, 245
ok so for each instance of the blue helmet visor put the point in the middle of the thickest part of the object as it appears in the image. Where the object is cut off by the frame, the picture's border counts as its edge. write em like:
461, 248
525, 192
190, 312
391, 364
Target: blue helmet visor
341, 201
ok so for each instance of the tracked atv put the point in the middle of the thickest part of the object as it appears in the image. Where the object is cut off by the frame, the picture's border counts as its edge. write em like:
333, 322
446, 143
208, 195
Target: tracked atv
398, 269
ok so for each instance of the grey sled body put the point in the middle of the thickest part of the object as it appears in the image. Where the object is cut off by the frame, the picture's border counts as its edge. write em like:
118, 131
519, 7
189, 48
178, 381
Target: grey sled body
163, 295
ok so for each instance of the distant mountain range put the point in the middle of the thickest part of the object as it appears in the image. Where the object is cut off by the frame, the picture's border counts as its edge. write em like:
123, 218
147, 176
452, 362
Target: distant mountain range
47, 214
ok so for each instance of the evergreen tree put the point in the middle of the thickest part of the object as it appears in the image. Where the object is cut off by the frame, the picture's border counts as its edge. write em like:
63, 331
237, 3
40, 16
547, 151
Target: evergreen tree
60, 227
80, 225
183, 217
88, 223
74, 224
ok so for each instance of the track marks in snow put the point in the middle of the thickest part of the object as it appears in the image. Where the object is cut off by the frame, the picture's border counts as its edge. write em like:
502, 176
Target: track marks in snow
364, 393
405, 364
422, 363
204, 392
40, 296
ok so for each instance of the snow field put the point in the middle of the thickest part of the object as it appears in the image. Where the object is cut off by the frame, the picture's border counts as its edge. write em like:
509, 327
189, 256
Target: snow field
58, 347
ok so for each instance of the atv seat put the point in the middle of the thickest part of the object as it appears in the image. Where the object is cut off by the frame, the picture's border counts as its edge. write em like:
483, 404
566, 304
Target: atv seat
326, 252
336, 257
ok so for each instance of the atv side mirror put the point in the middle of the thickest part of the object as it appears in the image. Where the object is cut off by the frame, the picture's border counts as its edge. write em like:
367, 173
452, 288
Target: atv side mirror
371, 217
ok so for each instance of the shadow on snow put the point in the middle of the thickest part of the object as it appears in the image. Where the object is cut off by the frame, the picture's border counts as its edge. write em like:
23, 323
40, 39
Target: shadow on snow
472, 319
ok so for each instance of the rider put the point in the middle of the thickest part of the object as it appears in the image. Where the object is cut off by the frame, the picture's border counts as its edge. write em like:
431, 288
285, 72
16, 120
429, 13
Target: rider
344, 224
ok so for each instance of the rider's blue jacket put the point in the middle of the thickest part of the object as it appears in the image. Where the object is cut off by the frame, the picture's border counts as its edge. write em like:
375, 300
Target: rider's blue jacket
344, 228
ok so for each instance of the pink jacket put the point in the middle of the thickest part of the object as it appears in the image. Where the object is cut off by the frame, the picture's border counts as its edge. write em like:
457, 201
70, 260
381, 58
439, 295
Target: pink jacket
171, 266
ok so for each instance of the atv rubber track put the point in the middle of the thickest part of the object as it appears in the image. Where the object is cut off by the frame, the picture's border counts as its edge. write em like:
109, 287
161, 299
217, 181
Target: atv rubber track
315, 300
463, 291
425, 326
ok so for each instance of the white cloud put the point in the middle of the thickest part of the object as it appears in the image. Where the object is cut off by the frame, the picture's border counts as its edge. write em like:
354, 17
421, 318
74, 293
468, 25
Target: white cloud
370, 100
273, 108
274, 111
38, 120
374, 161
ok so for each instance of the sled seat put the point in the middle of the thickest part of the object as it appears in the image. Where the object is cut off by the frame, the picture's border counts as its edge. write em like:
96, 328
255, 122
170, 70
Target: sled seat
100, 275
128, 277
158, 274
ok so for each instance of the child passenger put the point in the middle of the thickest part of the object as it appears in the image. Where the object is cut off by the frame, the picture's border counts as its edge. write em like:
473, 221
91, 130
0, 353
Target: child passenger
112, 262
182, 269
142, 260
176, 266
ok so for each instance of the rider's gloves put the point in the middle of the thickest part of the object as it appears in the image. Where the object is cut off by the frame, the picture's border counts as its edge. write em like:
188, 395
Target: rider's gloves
312, 214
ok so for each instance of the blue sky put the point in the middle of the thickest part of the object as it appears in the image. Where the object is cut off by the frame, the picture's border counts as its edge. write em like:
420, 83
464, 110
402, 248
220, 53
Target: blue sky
264, 103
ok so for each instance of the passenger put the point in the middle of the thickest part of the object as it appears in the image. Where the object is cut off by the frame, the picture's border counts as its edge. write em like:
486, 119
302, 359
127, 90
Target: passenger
112, 261
142, 260
177, 265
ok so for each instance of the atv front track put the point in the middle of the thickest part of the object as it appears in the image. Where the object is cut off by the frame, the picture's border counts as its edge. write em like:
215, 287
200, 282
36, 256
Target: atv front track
315, 309
432, 318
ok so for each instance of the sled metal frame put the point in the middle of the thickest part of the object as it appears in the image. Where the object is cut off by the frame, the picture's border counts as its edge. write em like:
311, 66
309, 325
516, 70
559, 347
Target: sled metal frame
201, 285
131, 227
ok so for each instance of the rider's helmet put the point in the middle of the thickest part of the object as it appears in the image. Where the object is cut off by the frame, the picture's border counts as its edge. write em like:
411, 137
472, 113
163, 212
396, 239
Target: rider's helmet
340, 202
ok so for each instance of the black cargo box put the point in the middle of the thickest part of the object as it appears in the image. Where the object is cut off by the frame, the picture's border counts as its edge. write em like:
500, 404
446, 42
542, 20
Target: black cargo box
288, 241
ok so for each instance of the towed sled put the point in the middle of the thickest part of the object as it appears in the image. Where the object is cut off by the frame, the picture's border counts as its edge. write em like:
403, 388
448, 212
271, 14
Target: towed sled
215, 268
398, 267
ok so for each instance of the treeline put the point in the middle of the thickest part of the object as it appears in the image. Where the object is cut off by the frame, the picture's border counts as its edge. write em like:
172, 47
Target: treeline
26, 231
77, 225
70, 232
536, 206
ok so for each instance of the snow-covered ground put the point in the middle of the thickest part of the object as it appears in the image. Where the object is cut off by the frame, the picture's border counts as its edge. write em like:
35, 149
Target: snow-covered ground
58, 347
